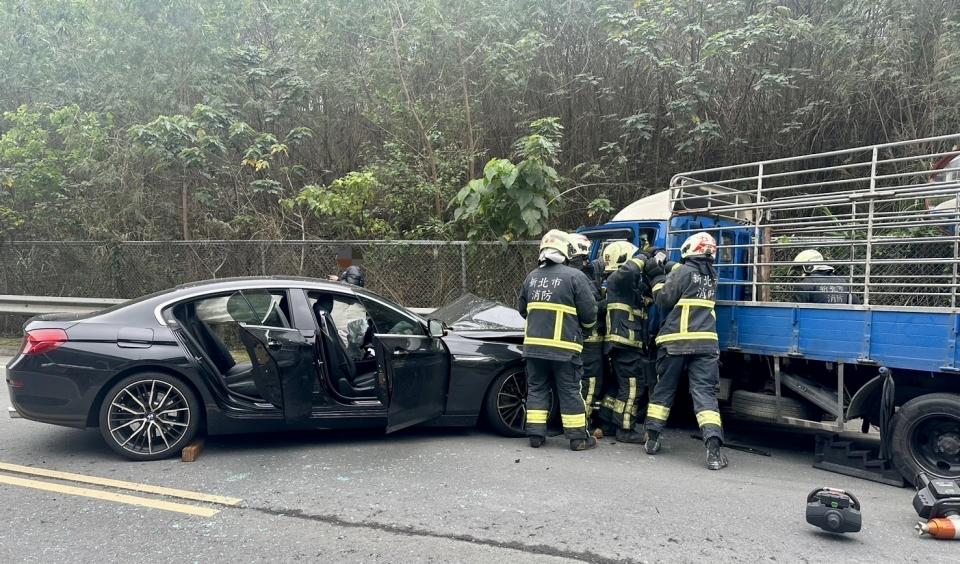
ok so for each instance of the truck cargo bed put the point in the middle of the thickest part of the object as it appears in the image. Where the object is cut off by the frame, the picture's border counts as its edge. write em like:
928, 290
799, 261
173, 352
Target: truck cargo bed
922, 339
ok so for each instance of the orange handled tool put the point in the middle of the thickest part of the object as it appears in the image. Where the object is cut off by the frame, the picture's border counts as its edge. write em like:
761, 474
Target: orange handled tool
947, 528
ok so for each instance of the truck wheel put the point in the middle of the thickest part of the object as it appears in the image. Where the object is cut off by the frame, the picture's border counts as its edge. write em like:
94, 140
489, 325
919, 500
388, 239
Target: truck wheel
764, 406
926, 437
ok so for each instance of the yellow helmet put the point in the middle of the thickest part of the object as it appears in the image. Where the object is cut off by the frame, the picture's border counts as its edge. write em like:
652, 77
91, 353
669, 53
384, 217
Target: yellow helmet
556, 240
811, 260
699, 245
617, 253
580, 245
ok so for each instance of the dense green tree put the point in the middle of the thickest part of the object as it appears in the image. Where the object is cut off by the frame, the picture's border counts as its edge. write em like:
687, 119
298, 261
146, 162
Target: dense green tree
196, 118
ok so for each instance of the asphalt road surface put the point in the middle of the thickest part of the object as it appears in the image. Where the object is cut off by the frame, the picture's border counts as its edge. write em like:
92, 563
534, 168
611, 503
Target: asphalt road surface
431, 496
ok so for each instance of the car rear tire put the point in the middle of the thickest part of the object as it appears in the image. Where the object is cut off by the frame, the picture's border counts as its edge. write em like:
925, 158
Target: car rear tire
926, 437
505, 406
149, 416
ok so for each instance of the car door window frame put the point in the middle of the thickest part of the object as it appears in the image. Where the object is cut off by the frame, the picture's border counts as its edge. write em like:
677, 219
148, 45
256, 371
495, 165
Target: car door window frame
409, 316
285, 317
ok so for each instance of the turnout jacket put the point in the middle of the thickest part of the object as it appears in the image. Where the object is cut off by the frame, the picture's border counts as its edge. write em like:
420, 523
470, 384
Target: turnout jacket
687, 300
824, 289
594, 336
558, 302
625, 307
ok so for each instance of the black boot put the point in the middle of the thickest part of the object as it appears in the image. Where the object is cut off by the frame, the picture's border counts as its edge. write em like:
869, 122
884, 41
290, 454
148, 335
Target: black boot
583, 444
536, 441
715, 459
632, 436
653, 442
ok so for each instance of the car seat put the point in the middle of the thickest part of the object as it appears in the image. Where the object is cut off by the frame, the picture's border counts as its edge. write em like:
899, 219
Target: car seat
237, 376
343, 369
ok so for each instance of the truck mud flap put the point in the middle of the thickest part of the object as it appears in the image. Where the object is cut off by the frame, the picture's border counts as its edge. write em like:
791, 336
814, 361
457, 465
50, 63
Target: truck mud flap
867, 399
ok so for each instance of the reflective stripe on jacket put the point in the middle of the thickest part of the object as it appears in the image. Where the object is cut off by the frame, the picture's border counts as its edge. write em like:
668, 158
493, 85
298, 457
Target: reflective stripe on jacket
626, 316
689, 295
557, 302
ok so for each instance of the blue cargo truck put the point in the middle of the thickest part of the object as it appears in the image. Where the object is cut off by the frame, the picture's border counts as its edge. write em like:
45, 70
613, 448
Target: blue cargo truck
885, 220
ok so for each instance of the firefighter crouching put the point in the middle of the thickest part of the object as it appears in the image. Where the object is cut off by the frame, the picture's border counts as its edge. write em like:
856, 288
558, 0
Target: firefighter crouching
687, 342
592, 356
819, 284
557, 301
626, 336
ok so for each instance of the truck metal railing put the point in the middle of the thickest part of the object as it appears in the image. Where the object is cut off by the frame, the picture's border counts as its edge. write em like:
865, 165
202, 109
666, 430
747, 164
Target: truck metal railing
882, 216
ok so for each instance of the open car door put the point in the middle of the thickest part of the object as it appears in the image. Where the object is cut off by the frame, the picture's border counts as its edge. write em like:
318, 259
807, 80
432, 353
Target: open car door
283, 369
414, 367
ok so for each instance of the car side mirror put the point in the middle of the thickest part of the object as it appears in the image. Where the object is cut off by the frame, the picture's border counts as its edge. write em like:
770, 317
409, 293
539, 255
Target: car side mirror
436, 328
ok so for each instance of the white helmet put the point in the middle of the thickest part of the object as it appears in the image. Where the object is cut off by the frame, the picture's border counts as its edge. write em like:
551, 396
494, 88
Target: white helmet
812, 261
555, 247
581, 245
699, 245
617, 253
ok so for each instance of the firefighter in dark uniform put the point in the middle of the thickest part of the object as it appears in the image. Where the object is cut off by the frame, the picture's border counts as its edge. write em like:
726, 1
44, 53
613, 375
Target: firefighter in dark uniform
594, 361
820, 285
558, 303
626, 336
657, 268
688, 343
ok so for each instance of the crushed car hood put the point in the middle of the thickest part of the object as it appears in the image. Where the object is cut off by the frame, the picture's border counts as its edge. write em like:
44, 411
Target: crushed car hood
480, 318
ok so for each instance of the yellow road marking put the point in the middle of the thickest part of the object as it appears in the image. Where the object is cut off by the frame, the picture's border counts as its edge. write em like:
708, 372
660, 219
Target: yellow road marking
119, 484
109, 496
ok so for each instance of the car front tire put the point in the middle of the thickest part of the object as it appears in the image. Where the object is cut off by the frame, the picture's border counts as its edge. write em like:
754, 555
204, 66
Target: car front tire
149, 416
505, 407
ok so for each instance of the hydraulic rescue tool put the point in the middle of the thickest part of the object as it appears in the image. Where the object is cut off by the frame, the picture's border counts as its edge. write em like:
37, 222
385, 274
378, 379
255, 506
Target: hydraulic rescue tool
834, 510
938, 501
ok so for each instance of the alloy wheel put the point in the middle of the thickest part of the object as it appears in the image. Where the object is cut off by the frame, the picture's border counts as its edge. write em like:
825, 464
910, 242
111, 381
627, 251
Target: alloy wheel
512, 401
148, 417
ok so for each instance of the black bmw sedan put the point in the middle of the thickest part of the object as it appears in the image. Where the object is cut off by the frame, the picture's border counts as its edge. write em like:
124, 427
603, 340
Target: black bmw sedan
260, 354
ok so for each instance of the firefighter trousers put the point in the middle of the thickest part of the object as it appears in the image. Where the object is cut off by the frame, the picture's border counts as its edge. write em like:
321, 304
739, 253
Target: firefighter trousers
565, 376
629, 367
703, 370
593, 376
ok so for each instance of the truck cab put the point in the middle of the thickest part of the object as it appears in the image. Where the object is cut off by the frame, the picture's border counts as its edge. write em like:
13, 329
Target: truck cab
650, 222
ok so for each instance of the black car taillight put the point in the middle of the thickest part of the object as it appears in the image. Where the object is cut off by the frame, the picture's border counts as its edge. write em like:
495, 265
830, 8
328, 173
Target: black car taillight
41, 341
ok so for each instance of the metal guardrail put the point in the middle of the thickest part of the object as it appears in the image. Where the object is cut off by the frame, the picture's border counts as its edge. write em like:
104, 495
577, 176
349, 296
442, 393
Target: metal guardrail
36, 305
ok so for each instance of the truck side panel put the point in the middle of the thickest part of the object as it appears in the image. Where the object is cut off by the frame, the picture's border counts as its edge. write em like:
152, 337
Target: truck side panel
886, 337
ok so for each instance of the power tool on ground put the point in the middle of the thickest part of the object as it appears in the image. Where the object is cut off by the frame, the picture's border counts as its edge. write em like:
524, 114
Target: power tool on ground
834, 510
938, 501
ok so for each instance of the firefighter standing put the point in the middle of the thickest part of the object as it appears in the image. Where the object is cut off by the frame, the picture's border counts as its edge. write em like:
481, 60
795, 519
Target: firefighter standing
688, 343
557, 301
593, 358
626, 335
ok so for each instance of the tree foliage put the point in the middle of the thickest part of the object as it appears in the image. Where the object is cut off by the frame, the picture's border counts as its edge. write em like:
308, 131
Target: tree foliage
512, 201
197, 118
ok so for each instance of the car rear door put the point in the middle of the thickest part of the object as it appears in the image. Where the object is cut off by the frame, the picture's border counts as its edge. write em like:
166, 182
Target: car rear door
414, 367
282, 357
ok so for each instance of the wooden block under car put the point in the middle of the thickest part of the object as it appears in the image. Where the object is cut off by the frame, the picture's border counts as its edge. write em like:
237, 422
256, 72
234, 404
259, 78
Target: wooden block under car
192, 451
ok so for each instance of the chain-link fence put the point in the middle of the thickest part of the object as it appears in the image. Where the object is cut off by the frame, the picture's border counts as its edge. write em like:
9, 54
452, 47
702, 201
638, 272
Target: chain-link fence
412, 273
